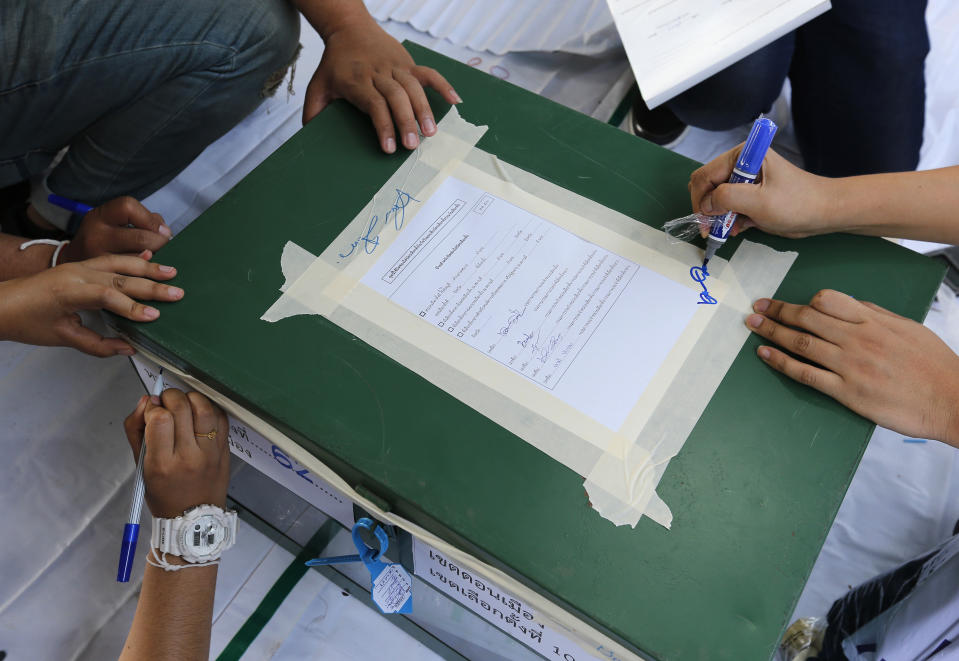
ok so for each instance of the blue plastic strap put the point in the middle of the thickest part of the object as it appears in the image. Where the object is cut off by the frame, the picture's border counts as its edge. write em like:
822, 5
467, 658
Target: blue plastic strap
368, 556
335, 560
391, 585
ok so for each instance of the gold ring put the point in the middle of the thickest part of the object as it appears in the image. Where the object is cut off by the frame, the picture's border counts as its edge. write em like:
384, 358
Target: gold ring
210, 435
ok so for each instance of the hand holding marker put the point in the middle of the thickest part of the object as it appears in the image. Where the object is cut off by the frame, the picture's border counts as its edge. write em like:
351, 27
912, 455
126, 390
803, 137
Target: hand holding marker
746, 170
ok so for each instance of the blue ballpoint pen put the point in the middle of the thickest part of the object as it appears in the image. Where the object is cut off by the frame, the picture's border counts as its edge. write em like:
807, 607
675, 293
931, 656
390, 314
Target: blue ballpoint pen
131, 530
70, 205
745, 172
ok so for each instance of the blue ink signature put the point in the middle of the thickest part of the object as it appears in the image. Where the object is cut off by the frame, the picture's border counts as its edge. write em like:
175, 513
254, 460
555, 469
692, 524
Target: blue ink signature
699, 274
399, 208
514, 316
370, 240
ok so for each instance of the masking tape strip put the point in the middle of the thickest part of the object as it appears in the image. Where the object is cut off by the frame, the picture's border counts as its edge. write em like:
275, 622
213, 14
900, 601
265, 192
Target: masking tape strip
622, 467
547, 612
753, 271
294, 261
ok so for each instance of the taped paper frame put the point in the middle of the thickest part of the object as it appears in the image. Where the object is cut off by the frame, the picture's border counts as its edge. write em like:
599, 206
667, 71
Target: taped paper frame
622, 467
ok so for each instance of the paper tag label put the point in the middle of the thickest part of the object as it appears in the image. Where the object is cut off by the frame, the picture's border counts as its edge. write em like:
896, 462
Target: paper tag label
393, 590
256, 450
499, 608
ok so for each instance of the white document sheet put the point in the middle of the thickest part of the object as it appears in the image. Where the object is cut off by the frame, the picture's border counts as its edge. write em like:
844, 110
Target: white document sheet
588, 325
674, 44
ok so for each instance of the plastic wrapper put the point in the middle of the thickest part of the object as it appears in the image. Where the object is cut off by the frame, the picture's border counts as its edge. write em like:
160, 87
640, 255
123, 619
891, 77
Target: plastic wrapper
802, 640
686, 228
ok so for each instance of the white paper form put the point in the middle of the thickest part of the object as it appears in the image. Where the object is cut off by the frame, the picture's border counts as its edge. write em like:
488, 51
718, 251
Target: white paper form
674, 44
590, 326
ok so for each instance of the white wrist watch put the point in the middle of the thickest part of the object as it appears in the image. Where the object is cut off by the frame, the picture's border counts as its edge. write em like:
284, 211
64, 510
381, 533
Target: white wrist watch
201, 534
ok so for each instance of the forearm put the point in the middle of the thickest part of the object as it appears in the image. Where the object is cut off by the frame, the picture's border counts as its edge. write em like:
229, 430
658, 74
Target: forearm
908, 205
10, 300
15, 263
328, 16
951, 436
173, 616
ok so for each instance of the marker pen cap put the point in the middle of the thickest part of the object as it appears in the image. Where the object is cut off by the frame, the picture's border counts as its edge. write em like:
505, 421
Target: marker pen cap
128, 550
754, 151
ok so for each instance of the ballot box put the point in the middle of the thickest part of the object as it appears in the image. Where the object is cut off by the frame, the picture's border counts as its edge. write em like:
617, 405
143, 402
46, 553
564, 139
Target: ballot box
475, 513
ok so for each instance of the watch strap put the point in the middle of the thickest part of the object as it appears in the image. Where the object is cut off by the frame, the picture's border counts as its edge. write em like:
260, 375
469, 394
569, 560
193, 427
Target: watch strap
161, 538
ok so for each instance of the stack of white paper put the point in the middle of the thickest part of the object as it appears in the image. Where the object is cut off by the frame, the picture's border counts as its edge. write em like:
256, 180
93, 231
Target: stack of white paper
504, 26
674, 44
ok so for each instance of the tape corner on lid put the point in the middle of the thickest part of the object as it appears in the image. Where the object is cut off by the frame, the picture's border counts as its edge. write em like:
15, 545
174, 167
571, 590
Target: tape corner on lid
294, 262
463, 129
622, 495
285, 307
763, 259
622, 514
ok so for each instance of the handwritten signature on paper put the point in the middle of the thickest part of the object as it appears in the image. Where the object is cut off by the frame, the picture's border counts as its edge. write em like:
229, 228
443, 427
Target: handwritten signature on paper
699, 274
398, 211
540, 352
396, 215
514, 316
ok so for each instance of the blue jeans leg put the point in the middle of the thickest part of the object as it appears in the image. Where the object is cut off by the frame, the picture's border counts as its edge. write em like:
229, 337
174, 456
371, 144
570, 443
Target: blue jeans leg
858, 87
136, 88
740, 92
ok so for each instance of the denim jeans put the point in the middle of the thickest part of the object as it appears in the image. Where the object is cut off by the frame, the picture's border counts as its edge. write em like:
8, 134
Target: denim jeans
858, 89
135, 88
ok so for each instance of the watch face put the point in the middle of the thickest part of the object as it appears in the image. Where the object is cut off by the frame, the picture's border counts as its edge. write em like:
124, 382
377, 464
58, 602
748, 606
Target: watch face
204, 536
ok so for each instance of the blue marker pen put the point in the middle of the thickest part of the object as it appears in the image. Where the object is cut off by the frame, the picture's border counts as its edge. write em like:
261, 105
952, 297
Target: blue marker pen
131, 530
745, 172
69, 205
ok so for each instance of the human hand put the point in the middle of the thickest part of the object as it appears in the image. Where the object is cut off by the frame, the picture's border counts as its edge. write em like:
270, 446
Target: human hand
105, 231
42, 308
884, 367
785, 200
183, 467
366, 66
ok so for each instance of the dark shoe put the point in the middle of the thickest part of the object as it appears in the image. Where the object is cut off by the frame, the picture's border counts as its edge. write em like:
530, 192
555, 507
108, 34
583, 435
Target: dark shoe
14, 201
659, 126
14, 195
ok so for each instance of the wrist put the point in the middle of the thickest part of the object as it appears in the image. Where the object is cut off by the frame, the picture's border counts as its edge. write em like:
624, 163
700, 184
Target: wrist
71, 252
347, 15
7, 293
830, 202
173, 510
38, 256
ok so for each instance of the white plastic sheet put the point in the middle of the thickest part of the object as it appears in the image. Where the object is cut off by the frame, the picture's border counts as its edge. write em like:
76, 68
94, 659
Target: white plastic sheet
504, 26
